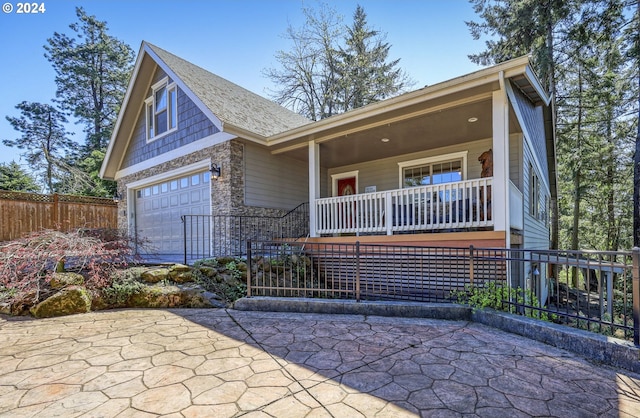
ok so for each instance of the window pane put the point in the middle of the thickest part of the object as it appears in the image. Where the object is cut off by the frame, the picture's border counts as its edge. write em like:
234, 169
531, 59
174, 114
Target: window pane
150, 130
195, 180
161, 99
174, 184
161, 122
173, 106
184, 182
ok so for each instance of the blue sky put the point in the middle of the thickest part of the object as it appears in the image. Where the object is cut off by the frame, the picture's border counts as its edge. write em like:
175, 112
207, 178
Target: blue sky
235, 39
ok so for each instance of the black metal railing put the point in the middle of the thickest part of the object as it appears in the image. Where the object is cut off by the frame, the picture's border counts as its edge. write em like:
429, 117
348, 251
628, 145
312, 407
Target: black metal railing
207, 236
595, 291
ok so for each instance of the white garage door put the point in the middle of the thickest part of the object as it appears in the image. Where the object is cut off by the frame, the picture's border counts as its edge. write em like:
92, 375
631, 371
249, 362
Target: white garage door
160, 206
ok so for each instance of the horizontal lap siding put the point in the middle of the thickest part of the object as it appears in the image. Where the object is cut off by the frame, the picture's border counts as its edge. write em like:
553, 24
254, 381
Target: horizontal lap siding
384, 173
274, 181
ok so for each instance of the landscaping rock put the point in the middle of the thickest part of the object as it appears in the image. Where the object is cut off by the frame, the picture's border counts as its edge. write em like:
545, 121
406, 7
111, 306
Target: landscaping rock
68, 301
169, 297
62, 280
155, 275
180, 273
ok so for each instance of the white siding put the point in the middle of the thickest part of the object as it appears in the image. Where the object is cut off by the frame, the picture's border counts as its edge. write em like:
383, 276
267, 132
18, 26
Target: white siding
274, 181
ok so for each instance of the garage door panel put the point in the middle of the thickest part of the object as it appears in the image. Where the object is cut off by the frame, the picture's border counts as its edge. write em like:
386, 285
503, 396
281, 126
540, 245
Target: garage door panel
160, 206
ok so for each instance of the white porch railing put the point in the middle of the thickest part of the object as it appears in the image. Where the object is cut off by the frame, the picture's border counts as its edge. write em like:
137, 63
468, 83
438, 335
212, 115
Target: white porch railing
461, 204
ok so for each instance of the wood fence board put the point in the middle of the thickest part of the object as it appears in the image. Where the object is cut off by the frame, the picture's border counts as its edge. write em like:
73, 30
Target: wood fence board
24, 213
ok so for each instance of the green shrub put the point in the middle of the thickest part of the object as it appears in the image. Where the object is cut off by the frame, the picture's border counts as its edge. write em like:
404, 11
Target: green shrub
502, 298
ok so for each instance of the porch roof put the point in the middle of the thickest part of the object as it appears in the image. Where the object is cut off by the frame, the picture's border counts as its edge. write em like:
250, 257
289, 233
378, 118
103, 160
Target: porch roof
439, 113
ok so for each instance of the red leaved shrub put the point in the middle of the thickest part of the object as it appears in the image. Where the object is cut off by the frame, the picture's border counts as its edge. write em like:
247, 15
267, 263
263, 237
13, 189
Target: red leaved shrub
27, 264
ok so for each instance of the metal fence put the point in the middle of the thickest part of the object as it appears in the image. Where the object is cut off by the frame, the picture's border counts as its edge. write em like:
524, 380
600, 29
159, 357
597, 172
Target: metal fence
227, 235
596, 291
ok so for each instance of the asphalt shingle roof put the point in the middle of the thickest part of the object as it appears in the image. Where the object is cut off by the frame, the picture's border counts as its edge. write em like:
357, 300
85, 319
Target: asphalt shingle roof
232, 104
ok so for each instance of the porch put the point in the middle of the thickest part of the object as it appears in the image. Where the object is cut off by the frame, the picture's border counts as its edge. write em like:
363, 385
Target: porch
446, 207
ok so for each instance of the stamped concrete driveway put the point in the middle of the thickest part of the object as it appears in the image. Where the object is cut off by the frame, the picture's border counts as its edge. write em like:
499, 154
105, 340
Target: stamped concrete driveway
224, 363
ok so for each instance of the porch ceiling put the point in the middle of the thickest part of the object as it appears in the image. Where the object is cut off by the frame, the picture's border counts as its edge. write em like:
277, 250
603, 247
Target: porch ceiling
449, 126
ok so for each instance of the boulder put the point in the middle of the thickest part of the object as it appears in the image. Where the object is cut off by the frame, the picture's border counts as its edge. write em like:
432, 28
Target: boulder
61, 280
68, 301
169, 297
180, 273
155, 275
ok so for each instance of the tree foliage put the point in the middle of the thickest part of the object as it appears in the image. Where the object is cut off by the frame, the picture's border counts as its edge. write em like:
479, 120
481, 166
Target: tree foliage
581, 50
44, 139
14, 178
332, 68
92, 72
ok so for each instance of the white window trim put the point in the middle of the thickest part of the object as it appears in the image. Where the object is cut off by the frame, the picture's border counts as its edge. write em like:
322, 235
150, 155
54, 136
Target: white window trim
431, 160
150, 103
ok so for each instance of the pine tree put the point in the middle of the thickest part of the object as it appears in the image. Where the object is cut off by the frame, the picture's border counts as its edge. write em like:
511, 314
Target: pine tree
332, 68
43, 138
92, 73
366, 76
14, 178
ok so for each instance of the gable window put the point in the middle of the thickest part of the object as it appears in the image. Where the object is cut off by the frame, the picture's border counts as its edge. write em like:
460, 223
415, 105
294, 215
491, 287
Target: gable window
433, 170
161, 109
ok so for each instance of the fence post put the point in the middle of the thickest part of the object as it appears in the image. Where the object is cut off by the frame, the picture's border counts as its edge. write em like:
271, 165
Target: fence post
184, 235
357, 271
636, 295
55, 213
471, 267
249, 268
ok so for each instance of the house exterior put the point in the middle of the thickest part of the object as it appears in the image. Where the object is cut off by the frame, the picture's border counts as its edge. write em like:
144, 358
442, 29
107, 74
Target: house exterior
470, 161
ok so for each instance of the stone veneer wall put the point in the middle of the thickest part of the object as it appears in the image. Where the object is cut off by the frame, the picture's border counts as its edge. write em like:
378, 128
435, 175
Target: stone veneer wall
227, 193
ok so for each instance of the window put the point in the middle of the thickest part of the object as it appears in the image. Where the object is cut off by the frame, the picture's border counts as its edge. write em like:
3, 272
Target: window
161, 109
433, 170
534, 193
435, 173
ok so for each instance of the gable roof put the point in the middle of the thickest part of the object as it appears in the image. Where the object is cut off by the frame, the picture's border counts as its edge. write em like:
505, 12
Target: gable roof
232, 104
234, 109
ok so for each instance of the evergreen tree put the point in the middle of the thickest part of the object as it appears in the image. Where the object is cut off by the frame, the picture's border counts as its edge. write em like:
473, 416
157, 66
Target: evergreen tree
14, 178
331, 68
92, 73
43, 138
578, 49
366, 76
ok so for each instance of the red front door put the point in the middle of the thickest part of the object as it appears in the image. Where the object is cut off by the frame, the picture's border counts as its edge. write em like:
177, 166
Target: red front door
346, 187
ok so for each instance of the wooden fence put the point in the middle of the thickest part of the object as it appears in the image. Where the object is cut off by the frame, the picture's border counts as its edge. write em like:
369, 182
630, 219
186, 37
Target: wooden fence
23, 213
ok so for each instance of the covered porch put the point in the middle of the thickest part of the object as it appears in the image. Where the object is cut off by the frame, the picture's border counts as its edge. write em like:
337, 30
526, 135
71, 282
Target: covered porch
415, 164
447, 207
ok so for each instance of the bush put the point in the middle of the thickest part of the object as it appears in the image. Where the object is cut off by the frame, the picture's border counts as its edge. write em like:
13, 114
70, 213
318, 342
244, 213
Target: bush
502, 298
28, 264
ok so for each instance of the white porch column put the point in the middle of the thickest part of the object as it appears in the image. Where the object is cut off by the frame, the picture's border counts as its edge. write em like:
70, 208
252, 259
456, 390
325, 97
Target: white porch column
314, 185
500, 189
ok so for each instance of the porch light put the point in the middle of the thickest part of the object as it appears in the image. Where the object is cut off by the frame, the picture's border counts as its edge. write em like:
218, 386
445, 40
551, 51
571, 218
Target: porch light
215, 170
385, 140
116, 197
472, 119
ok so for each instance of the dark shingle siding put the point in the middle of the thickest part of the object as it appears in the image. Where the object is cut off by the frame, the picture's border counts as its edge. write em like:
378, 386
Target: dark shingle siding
192, 126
